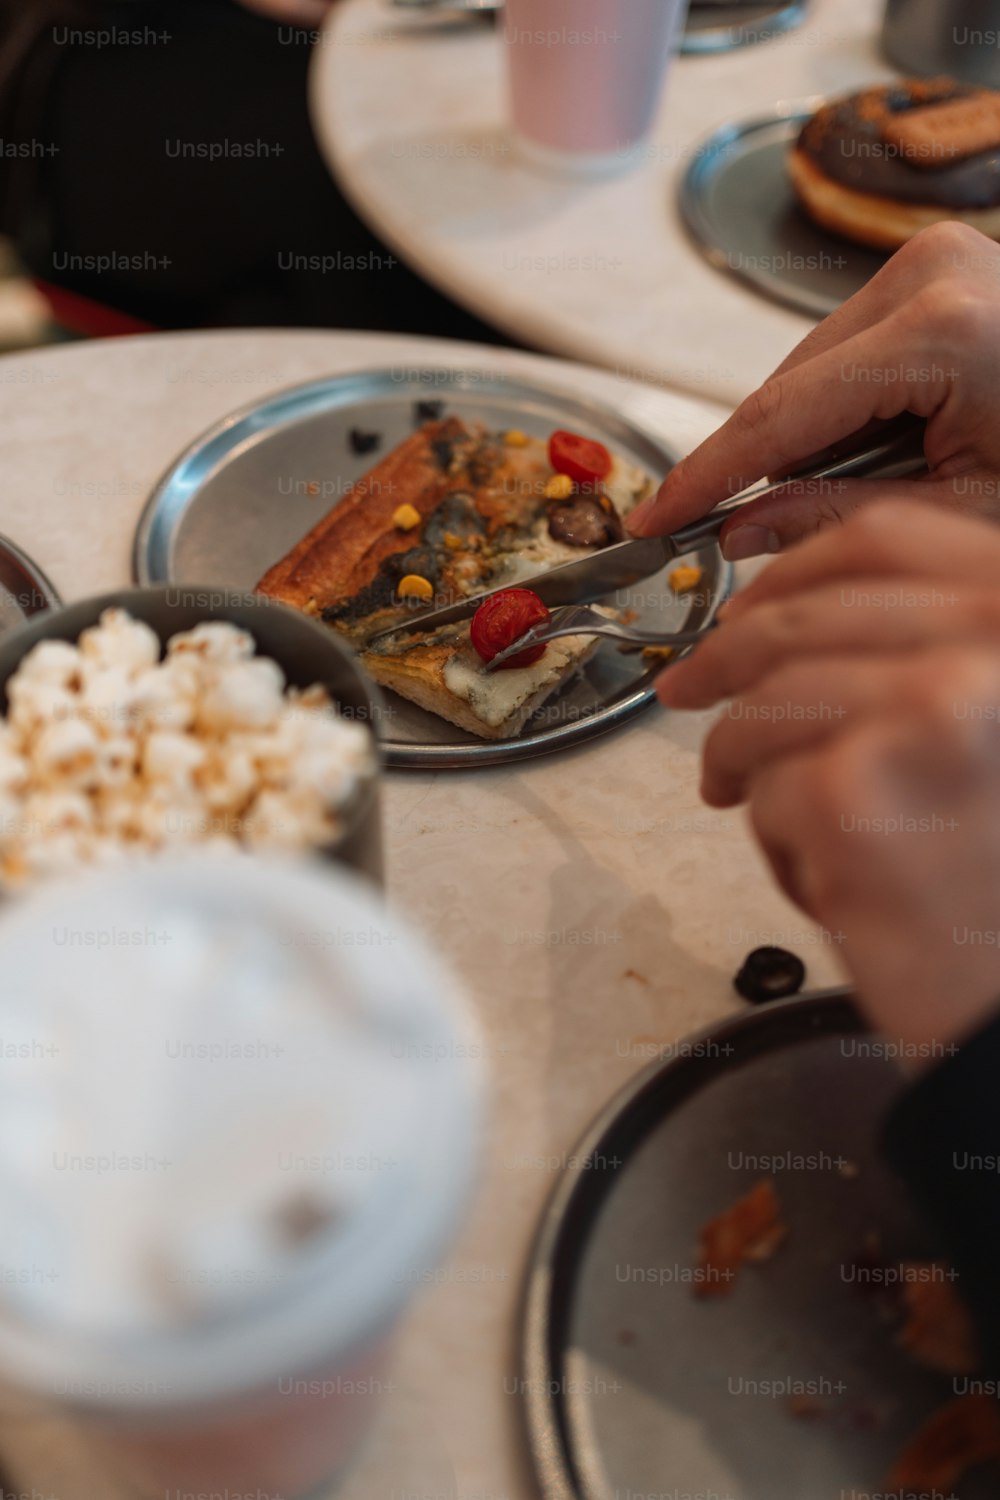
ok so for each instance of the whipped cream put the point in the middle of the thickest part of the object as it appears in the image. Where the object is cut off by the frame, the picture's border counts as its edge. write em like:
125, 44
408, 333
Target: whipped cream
235, 1115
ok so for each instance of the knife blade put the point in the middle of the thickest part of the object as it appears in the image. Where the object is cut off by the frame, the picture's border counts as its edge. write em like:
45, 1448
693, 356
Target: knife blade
891, 450
622, 565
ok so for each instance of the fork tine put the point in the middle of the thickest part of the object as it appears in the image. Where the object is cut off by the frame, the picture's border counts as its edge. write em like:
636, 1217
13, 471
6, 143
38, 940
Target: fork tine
579, 619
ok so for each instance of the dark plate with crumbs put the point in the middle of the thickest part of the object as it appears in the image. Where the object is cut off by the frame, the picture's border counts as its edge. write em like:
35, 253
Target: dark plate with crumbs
792, 1385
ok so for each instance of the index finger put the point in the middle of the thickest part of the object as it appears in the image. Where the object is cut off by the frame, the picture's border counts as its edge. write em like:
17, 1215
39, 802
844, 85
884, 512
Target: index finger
791, 417
927, 257
890, 538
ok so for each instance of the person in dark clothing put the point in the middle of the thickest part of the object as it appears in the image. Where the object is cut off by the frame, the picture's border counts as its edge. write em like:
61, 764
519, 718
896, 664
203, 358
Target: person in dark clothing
157, 156
861, 674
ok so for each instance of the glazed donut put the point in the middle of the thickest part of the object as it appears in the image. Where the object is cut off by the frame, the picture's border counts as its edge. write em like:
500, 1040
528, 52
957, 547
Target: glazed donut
881, 165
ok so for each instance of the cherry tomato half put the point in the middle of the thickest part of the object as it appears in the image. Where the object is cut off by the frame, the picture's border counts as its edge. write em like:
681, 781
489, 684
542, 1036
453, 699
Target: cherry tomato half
585, 461
499, 621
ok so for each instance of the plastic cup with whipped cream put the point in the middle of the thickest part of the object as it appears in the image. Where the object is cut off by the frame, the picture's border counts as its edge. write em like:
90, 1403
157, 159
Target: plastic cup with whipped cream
239, 1119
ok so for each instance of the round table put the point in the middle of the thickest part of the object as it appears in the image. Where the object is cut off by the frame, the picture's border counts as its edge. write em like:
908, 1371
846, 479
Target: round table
591, 906
412, 119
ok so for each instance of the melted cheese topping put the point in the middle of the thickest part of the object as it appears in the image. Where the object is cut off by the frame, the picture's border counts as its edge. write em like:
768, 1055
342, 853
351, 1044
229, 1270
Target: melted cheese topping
625, 486
495, 696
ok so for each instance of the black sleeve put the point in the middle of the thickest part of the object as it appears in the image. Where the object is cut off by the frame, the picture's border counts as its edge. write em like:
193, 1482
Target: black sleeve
943, 1138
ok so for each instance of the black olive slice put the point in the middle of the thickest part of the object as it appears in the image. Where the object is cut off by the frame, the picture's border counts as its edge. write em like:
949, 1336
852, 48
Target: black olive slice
427, 411
585, 520
363, 442
769, 974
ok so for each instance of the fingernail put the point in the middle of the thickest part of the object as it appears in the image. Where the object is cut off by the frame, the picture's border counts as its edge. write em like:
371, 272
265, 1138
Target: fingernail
749, 541
635, 518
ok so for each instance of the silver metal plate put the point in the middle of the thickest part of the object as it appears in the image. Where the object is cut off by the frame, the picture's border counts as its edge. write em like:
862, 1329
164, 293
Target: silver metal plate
239, 498
24, 589
634, 1386
737, 203
724, 27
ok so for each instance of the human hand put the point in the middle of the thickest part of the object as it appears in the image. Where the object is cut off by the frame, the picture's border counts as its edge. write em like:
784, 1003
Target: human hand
863, 729
292, 12
922, 336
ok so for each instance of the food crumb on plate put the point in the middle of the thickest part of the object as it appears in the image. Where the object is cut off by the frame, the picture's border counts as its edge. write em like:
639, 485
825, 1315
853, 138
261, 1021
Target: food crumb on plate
806, 1408
682, 580
939, 1332
957, 1437
750, 1230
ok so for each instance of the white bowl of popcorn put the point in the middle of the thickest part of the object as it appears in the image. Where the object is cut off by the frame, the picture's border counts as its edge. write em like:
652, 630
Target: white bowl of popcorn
169, 718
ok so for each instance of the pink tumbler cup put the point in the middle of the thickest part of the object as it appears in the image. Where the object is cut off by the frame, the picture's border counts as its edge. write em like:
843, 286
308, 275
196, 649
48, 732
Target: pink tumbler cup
586, 77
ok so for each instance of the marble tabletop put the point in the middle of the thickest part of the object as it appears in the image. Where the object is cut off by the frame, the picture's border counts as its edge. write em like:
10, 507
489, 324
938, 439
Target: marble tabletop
593, 909
412, 119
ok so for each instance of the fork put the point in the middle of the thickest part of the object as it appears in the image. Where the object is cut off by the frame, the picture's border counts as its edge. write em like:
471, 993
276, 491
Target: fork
581, 619
463, 7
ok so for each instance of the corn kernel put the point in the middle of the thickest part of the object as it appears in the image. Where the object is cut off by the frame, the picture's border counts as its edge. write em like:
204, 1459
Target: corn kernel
559, 487
683, 580
415, 587
452, 542
405, 517
515, 438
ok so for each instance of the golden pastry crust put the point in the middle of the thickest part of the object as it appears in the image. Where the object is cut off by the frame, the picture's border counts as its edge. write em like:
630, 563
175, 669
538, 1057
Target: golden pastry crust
883, 223
343, 551
420, 678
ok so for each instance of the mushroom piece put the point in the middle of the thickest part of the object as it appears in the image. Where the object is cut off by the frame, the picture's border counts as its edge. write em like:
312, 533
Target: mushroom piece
585, 519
